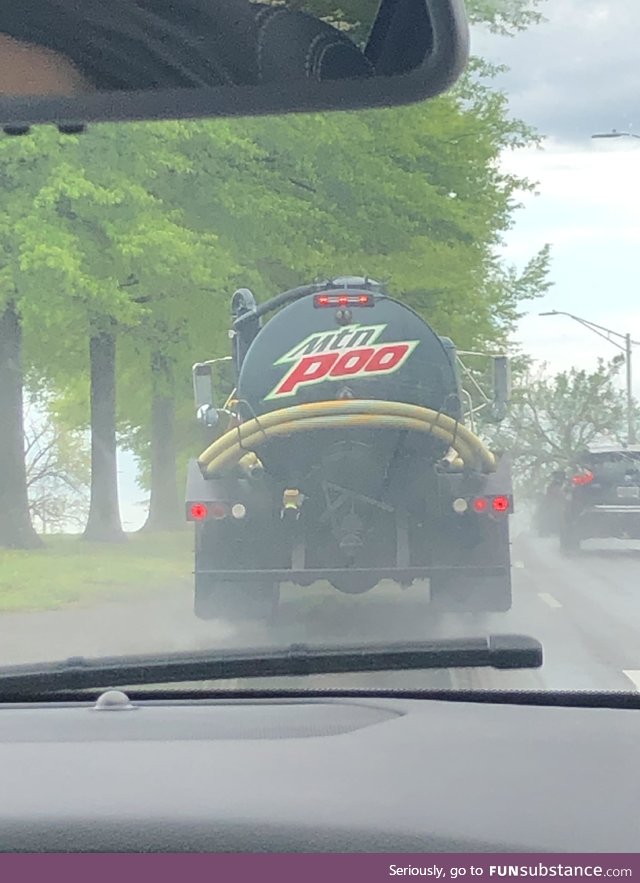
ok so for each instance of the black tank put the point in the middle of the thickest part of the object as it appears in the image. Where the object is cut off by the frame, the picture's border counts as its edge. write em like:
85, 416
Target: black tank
321, 348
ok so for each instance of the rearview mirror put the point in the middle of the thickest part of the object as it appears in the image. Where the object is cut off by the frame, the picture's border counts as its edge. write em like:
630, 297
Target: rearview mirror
71, 62
203, 393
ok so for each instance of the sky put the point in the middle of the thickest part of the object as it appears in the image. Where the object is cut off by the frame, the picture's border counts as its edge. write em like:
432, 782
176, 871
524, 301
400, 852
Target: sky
572, 76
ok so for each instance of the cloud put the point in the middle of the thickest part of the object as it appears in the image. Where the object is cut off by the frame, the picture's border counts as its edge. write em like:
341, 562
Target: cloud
584, 200
575, 74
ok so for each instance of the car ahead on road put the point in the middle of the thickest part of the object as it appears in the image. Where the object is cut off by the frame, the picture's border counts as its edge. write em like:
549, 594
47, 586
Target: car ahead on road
603, 496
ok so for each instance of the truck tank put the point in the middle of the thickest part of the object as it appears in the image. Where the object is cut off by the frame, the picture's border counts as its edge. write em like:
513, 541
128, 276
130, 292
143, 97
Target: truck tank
315, 350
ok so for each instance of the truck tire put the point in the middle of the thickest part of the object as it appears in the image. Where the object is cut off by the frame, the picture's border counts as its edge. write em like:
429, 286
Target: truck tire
468, 594
354, 585
235, 601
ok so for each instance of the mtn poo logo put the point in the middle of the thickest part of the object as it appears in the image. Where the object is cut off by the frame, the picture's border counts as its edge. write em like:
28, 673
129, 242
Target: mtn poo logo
338, 355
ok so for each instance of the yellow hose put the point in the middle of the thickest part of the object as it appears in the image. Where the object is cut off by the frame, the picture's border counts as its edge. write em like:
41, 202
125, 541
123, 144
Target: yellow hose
232, 454
343, 413
369, 407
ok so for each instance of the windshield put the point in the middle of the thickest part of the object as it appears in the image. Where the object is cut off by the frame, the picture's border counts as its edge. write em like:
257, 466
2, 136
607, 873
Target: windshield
192, 459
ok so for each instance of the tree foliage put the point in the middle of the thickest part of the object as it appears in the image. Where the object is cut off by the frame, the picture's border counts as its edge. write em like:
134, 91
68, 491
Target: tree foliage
554, 416
505, 16
146, 229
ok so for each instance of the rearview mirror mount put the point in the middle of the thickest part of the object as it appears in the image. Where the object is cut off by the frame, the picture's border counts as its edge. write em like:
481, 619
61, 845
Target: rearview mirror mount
119, 60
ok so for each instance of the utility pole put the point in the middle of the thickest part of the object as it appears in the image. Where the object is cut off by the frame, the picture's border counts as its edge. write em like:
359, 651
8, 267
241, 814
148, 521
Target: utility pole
631, 427
608, 334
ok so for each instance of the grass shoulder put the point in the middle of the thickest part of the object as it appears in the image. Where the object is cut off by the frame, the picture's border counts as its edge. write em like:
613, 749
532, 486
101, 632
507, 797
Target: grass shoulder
72, 571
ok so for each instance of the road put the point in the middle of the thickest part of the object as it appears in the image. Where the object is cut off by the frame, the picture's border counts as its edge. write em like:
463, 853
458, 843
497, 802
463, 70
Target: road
584, 610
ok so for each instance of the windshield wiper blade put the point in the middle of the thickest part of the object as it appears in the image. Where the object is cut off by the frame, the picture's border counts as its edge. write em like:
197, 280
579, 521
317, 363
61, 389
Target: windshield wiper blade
494, 651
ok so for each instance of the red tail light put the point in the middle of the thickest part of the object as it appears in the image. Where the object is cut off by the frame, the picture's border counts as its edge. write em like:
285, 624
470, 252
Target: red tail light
198, 511
500, 503
202, 511
582, 478
343, 300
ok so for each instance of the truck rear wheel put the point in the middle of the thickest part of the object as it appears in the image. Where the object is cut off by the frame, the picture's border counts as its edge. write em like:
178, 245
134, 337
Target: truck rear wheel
354, 585
234, 600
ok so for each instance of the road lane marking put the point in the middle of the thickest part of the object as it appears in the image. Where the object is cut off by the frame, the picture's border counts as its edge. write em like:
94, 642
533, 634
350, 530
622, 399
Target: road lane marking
549, 599
634, 677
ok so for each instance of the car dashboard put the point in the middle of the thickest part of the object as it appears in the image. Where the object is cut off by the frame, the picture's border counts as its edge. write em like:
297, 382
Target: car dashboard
318, 774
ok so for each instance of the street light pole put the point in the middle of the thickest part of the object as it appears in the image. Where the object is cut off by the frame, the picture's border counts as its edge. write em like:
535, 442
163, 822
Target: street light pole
615, 134
631, 429
608, 334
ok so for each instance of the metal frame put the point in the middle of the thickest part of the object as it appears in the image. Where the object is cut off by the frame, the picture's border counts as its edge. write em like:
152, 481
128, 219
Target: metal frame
327, 573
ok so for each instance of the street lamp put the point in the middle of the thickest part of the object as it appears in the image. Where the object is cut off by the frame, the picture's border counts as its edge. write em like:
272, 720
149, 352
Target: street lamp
626, 348
615, 134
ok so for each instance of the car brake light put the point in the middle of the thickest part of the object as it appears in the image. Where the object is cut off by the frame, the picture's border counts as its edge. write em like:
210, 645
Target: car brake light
343, 300
500, 504
480, 504
582, 478
199, 511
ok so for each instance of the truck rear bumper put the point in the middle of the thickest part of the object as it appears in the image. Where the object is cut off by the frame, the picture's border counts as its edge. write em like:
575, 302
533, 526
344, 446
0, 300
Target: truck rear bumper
402, 574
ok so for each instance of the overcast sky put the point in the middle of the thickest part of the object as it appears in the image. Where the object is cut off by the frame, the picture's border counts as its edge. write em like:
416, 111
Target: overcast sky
577, 74
574, 75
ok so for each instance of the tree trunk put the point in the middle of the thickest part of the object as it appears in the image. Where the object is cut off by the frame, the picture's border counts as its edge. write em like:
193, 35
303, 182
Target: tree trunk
16, 529
103, 523
164, 504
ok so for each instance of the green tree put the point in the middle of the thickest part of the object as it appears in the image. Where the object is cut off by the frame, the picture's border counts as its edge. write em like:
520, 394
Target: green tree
25, 165
58, 472
117, 250
505, 16
553, 417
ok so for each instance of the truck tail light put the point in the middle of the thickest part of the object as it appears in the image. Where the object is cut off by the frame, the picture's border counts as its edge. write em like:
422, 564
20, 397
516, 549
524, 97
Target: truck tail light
343, 300
582, 478
498, 504
198, 512
204, 511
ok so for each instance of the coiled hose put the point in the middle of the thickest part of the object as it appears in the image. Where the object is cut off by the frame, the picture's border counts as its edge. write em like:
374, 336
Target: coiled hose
228, 450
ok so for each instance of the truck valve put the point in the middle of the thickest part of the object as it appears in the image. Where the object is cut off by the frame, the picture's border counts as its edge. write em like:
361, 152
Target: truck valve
291, 502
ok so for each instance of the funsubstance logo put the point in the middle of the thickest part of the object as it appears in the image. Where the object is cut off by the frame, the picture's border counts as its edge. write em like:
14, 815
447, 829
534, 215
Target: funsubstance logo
339, 355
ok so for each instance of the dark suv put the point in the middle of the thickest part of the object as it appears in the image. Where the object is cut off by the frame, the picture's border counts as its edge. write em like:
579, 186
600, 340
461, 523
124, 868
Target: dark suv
603, 496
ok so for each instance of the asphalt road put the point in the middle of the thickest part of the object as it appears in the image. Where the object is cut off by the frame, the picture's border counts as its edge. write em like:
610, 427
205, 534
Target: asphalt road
585, 611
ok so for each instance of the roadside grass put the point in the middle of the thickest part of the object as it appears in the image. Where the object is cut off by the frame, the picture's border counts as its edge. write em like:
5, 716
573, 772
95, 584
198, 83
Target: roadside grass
71, 571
